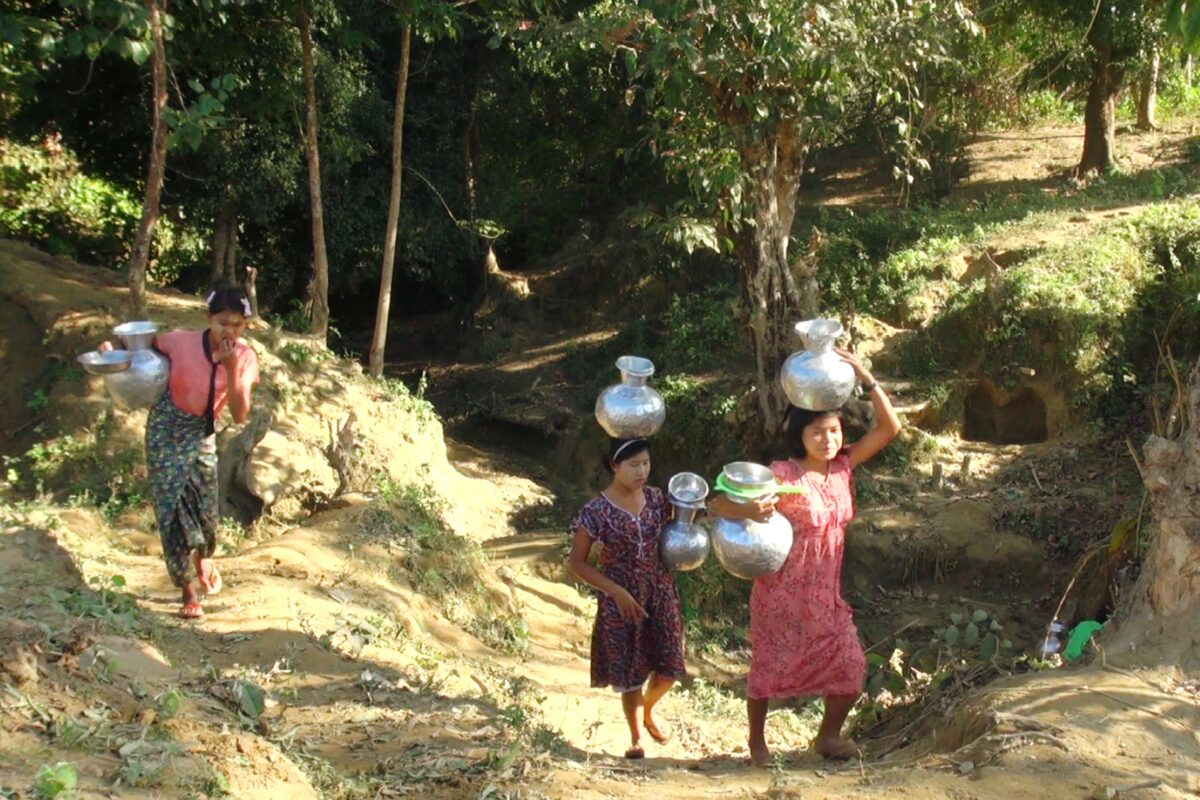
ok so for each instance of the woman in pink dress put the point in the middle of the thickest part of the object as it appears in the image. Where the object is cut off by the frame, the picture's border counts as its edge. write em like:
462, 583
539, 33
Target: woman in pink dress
803, 642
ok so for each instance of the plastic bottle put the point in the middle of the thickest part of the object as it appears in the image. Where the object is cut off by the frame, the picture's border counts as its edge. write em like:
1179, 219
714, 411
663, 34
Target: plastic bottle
1052, 644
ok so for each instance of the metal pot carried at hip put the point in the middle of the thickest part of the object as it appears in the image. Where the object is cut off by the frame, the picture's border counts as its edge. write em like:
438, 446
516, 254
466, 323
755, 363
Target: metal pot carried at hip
746, 548
683, 543
136, 376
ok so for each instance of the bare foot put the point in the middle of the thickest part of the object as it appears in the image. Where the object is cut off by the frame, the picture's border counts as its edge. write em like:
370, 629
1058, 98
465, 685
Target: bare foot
760, 754
836, 749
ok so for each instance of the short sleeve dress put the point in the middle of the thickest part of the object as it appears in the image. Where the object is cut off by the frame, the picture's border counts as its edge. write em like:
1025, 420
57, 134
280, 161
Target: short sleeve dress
803, 642
624, 654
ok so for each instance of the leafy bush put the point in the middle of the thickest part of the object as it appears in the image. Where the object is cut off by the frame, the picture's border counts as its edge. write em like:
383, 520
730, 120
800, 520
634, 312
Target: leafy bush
701, 332
81, 468
49, 203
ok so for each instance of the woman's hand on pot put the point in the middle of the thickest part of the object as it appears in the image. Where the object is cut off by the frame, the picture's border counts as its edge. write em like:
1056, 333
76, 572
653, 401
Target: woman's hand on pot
860, 372
104, 347
629, 608
761, 509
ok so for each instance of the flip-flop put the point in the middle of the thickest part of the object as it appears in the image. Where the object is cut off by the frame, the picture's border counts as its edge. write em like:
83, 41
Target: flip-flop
210, 579
635, 752
191, 611
655, 733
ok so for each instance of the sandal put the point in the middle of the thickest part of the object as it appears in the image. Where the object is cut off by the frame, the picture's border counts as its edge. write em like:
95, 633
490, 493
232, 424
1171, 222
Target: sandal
654, 732
635, 752
191, 611
208, 574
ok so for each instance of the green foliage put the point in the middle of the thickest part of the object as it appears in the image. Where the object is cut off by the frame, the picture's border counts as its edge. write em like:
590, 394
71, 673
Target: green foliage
410, 402
55, 781
700, 332
437, 560
1047, 107
48, 202
84, 469
715, 608
104, 599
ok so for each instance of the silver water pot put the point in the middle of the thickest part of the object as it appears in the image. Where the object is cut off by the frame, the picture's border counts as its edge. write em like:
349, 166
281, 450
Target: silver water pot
746, 548
683, 543
816, 378
145, 381
631, 408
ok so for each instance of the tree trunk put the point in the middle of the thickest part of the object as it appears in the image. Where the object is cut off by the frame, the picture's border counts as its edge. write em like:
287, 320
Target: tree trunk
1188, 69
1099, 118
375, 360
767, 288
1161, 620
140, 257
224, 245
320, 284
1148, 95
252, 289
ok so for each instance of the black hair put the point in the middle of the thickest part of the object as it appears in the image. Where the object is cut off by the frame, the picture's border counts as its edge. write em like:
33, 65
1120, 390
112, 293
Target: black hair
794, 423
625, 449
228, 298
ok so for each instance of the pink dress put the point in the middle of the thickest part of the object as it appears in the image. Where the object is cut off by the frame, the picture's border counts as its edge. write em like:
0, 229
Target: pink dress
803, 642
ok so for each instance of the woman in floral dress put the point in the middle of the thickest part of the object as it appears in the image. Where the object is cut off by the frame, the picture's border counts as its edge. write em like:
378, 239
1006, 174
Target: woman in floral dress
210, 369
803, 642
638, 634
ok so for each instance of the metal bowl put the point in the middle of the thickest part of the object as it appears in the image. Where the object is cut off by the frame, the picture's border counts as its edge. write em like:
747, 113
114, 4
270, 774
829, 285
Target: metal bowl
105, 363
137, 335
746, 476
687, 488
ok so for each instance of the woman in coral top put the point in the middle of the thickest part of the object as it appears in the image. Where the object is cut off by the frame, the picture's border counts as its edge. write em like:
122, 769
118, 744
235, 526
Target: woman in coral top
803, 642
210, 370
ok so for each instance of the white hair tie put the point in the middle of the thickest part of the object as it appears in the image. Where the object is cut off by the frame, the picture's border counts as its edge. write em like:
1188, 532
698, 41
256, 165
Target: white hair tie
617, 455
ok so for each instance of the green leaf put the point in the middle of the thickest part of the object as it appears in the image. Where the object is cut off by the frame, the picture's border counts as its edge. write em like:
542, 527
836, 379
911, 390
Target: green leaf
53, 780
169, 703
195, 85
979, 616
971, 635
988, 647
952, 635
251, 698
956, 618
630, 60
139, 52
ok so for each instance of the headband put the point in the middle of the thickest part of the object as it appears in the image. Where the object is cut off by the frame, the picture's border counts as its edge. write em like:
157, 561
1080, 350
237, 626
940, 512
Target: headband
617, 455
245, 304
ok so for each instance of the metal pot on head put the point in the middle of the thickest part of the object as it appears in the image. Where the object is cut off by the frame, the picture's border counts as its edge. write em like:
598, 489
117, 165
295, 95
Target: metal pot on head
631, 409
816, 378
145, 381
683, 543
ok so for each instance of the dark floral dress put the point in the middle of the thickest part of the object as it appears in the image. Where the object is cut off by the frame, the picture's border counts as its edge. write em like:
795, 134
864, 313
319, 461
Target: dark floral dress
182, 460
624, 654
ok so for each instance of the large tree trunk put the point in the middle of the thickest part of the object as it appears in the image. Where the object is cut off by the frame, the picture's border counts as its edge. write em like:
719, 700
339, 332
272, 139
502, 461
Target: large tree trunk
224, 245
375, 360
1099, 117
140, 257
320, 283
767, 288
1148, 95
1161, 620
